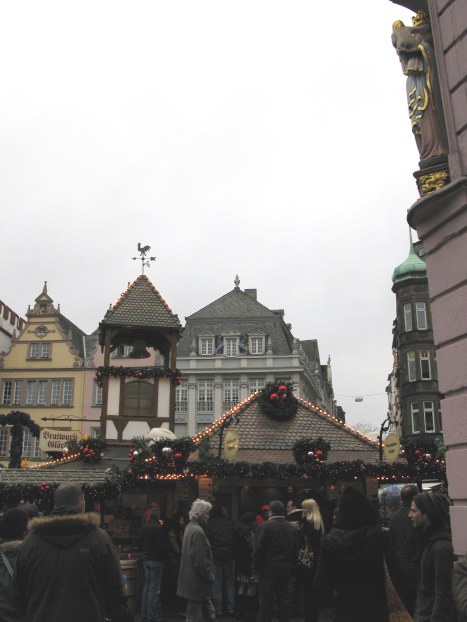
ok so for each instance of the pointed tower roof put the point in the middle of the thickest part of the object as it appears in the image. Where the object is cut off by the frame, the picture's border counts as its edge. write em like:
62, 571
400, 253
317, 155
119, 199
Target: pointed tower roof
412, 268
142, 306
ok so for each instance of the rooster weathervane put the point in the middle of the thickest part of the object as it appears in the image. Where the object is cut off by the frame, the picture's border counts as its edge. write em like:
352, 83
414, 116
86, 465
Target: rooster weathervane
145, 261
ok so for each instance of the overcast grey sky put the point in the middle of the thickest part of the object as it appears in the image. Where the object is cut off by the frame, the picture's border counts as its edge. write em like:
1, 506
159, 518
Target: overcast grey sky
264, 138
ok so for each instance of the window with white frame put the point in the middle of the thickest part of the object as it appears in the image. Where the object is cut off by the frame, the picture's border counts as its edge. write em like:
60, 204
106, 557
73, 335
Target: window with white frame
420, 311
4, 441
98, 395
30, 445
95, 432
181, 397
408, 317
231, 390
231, 346
205, 392
256, 384
122, 351
206, 346
411, 366
18, 392
7, 391
42, 392
256, 345
415, 415
39, 351
46, 393
425, 368
429, 415
67, 399
31, 394
55, 392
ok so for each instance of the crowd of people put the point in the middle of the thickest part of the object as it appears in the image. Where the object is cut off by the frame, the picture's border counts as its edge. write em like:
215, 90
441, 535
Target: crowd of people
282, 561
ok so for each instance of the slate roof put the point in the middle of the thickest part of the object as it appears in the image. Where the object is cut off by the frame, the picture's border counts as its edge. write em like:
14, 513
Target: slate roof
71, 471
141, 305
262, 439
237, 311
77, 334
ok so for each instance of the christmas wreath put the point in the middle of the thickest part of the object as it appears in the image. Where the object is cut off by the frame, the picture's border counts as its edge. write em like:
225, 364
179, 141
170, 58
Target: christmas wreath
277, 401
90, 449
422, 452
309, 451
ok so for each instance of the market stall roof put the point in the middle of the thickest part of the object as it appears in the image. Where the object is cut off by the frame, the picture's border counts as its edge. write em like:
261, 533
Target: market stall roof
69, 470
262, 439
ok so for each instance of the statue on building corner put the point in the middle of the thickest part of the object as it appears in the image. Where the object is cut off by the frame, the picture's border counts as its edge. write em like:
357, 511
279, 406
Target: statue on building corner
414, 47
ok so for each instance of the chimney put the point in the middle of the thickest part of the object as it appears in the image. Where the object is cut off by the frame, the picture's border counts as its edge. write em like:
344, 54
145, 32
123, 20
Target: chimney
252, 293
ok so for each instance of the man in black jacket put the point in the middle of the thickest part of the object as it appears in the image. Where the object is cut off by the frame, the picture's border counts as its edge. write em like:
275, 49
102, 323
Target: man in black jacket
155, 547
430, 513
67, 568
406, 542
274, 559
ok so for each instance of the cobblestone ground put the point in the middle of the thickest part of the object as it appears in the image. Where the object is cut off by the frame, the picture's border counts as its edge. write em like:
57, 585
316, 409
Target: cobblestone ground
326, 615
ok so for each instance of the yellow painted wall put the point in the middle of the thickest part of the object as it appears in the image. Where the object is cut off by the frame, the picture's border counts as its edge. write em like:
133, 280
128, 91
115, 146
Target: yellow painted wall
63, 364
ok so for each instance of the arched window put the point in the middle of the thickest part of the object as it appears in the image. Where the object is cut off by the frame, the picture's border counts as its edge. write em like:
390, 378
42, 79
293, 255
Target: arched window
138, 399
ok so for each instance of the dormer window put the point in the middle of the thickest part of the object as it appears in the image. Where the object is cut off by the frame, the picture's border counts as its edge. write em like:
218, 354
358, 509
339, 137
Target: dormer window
256, 343
231, 346
206, 346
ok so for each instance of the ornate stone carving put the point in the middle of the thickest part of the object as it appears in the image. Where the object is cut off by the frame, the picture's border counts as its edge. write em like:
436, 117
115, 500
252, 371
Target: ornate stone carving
429, 182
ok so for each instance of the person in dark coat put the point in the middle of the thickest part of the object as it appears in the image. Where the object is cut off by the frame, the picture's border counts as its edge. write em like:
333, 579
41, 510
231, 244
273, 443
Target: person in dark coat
406, 543
196, 576
67, 568
309, 537
13, 527
247, 582
274, 559
430, 513
351, 562
154, 544
220, 532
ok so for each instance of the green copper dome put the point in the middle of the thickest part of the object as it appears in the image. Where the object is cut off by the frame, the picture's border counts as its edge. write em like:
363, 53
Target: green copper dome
412, 267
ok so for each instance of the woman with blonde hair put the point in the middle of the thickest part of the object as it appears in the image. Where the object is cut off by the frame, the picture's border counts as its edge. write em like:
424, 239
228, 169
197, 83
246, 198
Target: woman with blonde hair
311, 530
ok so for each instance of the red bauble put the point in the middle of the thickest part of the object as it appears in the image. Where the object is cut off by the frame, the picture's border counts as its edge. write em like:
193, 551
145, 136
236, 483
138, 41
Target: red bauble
274, 396
417, 452
282, 388
177, 456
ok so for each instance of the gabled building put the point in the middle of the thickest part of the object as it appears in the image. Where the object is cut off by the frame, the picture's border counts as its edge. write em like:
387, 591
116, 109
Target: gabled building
42, 373
138, 385
233, 347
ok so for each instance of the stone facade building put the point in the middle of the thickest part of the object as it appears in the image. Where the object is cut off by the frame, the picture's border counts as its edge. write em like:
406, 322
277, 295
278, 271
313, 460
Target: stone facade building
440, 219
417, 378
233, 347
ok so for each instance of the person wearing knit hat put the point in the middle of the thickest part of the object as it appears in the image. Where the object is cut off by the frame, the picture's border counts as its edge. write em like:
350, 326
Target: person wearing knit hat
430, 513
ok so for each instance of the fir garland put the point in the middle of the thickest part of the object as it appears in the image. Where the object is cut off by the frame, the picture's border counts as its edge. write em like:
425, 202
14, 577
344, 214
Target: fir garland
309, 451
18, 421
90, 449
140, 373
276, 401
172, 453
424, 452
